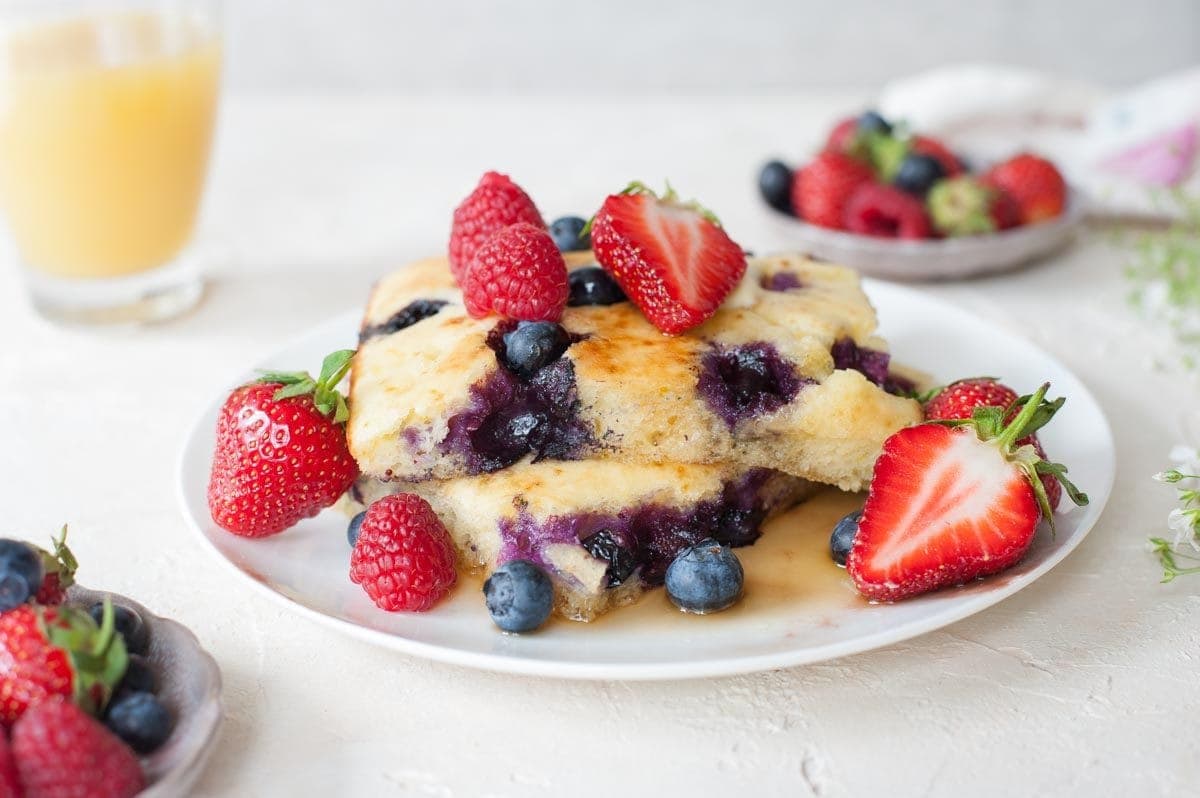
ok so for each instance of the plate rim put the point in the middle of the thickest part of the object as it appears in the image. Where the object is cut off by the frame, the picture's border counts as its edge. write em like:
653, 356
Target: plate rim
664, 670
936, 260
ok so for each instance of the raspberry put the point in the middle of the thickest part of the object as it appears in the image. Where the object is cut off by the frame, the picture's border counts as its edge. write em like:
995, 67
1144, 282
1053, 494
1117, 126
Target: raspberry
518, 273
820, 190
495, 203
404, 557
886, 212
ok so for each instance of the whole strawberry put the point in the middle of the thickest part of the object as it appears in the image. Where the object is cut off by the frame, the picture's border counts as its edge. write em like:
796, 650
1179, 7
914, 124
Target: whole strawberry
959, 399
281, 452
62, 752
671, 258
403, 558
953, 501
48, 652
496, 203
1034, 183
824, 186
519, 273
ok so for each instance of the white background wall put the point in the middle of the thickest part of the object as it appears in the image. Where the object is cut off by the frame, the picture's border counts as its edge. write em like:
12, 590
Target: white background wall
645, 46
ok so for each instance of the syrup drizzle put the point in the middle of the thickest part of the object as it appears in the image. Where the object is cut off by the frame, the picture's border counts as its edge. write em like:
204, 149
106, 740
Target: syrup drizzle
789, 566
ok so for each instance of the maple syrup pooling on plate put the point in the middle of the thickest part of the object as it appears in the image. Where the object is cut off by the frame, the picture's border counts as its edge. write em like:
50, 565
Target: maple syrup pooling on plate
788, 567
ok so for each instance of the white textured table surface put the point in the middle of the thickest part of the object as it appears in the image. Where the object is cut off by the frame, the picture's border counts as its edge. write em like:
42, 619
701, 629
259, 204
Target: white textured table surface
1084, 684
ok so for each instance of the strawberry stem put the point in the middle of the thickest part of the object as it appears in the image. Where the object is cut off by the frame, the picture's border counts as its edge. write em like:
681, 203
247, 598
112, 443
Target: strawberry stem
60, 560
108, 628
1016, 429
326, 397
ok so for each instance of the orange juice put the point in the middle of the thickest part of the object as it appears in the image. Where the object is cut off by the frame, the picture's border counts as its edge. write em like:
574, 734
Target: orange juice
105, 128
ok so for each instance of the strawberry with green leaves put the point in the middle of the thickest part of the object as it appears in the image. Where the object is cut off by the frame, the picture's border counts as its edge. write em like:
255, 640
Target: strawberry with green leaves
954, 500
959, 400
49, 652
281, 453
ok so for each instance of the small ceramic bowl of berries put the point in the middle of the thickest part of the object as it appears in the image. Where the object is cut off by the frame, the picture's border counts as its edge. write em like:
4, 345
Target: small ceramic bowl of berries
98, 696
894, 203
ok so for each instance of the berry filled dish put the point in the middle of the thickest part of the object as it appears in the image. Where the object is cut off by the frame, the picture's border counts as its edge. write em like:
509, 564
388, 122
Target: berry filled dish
585, 411
83, 704
879, 179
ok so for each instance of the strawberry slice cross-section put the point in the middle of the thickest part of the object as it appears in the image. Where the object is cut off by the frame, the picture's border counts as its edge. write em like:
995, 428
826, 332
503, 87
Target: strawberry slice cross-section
954, 501
671, 258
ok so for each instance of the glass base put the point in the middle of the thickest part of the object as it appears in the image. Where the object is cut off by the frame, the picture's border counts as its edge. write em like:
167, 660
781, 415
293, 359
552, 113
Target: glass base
143, 298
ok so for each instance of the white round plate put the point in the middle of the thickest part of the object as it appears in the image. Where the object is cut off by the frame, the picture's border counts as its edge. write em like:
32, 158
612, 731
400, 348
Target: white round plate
934, 259
306, 568
189, 684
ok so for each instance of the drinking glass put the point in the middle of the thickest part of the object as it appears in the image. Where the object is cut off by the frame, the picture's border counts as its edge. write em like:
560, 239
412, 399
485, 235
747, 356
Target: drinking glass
106, 122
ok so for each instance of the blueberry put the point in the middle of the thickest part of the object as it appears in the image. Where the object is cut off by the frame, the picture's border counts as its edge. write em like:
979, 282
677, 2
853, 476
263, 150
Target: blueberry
591, 285
129, 624
775, 185
21, 573
138, 678
604, 546
843, 536
519, 596
873, 122
705, 578
918, 173
416, 311
566, 232
140, 720
534, 345
354, 527
738, 527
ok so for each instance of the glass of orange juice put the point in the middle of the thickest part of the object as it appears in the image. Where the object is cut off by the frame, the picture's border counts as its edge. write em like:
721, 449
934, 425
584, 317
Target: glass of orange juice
106, 122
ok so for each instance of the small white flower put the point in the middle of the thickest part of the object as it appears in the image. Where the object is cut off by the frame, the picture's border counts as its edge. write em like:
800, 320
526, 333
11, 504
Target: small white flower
1183, 525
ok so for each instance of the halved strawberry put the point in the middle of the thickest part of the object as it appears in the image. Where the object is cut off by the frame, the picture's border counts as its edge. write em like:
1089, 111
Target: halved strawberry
958, 400
671, 258
953, 501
